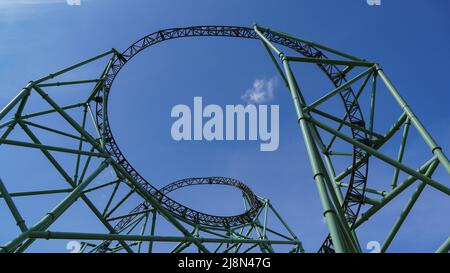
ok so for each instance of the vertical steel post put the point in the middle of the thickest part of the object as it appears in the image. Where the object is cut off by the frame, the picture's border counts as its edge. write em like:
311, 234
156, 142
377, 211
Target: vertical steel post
329, 211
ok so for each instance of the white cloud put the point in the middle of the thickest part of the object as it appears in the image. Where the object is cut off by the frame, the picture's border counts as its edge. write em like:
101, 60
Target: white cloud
262, 91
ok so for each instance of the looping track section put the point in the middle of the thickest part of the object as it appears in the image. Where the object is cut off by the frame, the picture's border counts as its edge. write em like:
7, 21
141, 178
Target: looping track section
358, 176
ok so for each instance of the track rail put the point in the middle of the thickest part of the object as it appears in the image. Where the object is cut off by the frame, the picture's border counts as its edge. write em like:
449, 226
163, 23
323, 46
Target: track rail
358, 177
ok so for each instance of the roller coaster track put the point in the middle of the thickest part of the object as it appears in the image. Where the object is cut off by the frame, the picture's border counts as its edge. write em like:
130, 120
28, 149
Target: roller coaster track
358, 175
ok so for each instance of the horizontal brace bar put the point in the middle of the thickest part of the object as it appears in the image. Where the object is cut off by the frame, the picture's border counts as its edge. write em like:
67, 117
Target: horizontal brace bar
50, 148
67, 83
31, 193
328, 61
381, 193
340, 153
110, 237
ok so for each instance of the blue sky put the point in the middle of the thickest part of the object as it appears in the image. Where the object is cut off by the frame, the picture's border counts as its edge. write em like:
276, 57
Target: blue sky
408, 38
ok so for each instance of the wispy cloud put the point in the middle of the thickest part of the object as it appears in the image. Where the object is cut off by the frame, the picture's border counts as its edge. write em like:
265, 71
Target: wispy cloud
262, 91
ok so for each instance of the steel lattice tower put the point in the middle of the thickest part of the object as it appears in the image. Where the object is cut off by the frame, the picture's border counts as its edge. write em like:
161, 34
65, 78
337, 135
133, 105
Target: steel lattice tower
348, 197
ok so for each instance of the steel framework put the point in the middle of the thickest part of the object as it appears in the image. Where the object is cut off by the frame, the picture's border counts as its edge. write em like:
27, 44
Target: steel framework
342, 194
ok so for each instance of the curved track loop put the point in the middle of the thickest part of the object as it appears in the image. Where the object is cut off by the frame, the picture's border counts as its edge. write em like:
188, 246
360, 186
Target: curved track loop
358, 177
222, 221
255, 204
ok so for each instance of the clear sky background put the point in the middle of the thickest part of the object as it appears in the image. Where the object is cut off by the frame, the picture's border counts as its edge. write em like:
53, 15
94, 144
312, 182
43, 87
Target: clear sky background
408, 38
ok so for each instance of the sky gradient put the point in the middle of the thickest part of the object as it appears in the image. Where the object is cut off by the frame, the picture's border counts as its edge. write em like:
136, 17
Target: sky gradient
409, 39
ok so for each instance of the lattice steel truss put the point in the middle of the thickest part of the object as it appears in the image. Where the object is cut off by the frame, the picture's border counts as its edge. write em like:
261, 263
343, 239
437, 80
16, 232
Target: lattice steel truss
128, 228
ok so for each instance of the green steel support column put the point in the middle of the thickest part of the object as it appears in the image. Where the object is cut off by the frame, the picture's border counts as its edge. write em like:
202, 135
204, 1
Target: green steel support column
349, 235
407, 209
12, 207
400, 153
336, 187
329, 212
445, 247
435, 149
277, 66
